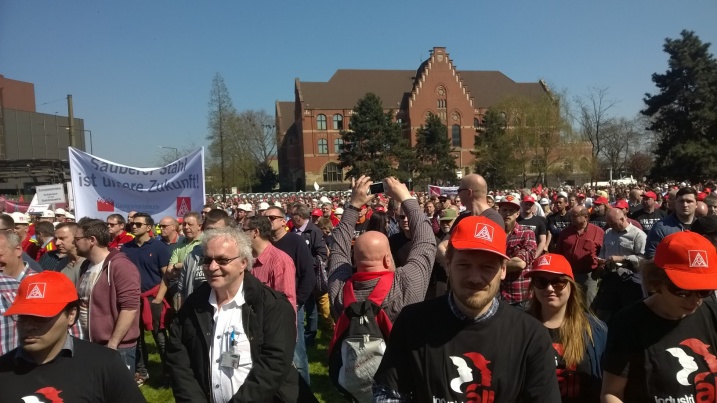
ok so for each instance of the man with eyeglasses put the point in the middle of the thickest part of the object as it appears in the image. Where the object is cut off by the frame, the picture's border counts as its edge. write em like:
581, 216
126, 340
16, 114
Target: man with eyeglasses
109, 292
192, 237
232, 340
293, 245
65, 258
116, 226
207, 208
151, 258
169, 232
50, 365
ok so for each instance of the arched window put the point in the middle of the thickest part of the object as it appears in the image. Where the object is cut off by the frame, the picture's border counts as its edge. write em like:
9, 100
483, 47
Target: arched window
338, 122
321, 122
323, 146
476, 123
332, 172
338, 146
456, 135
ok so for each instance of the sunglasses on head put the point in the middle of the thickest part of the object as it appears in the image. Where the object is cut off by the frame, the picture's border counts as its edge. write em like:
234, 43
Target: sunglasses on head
679, 292
558, 283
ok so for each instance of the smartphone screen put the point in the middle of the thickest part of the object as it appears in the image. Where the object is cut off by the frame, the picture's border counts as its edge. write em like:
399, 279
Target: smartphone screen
376, 188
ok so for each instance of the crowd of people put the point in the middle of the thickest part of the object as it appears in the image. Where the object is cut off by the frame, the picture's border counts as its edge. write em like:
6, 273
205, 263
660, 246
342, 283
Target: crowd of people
534, 295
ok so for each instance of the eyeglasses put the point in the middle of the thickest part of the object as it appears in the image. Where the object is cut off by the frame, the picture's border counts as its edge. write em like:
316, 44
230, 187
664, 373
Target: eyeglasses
679, 292
205, 212
273, 217
138, 224
221, 261
109, 224
558, 283
165, 225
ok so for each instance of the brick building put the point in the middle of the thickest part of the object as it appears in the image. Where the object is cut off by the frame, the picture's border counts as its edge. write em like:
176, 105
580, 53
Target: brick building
308, 128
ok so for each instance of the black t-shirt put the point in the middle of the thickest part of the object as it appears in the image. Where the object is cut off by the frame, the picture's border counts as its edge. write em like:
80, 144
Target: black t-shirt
539, 225
556, 224
490, 214
400, 246
664, 360
577, 385
647, 220
598, 220
433, 356
92, 374
295, 246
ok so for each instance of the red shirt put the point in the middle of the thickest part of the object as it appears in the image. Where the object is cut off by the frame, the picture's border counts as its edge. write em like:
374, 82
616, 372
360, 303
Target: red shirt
30, 246
120, 240
581, 250
521, 244
47, 248
276, 269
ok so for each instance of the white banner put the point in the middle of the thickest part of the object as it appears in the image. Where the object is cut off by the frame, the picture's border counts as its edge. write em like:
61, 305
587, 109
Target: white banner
102, 187
36, 207
441, 190
50, 194
70, 199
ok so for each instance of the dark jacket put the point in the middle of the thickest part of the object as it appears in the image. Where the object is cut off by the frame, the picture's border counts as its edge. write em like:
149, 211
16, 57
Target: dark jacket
314, 238
268, 320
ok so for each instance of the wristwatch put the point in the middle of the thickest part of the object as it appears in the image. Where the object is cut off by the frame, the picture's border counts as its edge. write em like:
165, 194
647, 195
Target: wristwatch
351, 207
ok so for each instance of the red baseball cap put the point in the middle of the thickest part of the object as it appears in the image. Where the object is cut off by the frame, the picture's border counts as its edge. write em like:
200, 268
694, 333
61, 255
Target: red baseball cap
650, 195
701, 196
601, 200
551, 263
621, 204
479, 233
689, 260
580, 196
317, 213
528, 199
44, 294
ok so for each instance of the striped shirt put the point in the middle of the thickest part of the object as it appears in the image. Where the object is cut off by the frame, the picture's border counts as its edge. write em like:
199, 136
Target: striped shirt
276, 269
410, 281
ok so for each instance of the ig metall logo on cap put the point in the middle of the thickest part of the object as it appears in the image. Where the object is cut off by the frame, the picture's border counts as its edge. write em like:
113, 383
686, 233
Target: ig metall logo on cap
698, 258
484, 231
36, 290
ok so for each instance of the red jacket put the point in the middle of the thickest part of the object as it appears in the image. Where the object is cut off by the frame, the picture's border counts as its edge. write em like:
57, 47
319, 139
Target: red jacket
581, 250
120, 240
30, 246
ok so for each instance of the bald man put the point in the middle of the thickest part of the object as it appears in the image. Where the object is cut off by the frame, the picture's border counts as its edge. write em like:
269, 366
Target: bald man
581, 243
473, 193
623, 250
701, 210
372, 254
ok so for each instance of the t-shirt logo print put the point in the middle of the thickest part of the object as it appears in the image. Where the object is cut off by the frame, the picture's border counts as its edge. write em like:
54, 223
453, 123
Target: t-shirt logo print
698, 258
484, 231
704, 381
36, 290
465, 375
545, 260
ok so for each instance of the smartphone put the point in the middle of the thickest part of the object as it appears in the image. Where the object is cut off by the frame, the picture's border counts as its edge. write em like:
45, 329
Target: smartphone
376, 188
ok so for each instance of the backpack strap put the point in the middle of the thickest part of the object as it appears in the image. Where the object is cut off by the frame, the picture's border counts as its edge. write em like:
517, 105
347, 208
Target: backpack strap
377, 296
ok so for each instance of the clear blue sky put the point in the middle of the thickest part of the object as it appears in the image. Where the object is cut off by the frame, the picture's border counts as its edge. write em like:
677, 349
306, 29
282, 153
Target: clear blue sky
140, 72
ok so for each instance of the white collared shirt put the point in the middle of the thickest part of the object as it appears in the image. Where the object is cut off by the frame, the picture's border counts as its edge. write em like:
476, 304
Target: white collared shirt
225, 382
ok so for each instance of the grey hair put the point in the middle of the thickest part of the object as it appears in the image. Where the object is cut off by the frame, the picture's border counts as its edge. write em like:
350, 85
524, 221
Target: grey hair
13, 239
232, 234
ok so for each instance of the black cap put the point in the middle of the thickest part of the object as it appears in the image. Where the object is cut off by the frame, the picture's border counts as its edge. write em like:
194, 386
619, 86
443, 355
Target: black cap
443, 196
705, 225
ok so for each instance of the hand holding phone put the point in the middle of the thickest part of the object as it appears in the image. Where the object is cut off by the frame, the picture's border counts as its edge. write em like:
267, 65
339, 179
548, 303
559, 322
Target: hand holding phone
375, 188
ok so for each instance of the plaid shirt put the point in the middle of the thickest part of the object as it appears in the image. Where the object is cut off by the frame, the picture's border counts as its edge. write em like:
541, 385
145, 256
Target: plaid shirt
521, 244
8, 335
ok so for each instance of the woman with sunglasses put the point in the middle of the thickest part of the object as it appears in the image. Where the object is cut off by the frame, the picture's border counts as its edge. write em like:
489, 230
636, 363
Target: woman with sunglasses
662, 349
578, 336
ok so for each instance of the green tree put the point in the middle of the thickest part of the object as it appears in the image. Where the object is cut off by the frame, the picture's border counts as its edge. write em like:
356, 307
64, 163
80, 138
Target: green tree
494, 152
433, 157
221, 129
374, 144
683, 114
266, 178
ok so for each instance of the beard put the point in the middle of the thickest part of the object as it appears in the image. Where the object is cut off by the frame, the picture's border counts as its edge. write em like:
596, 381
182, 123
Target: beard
472, 296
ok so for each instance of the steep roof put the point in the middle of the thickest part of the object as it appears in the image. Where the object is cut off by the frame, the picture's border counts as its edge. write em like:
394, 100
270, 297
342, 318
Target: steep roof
346, 87
285, 115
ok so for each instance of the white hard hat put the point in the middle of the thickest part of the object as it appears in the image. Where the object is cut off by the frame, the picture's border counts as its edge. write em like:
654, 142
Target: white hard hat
48, 214
60, 211
19, 218
338, 211
324, 199
70, 216
277, 204
263, 206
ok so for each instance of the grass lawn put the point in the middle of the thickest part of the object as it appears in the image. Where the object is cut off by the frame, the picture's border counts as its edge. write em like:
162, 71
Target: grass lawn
155, 392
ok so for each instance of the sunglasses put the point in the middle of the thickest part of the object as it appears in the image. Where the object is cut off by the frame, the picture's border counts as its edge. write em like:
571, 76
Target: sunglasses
221, 261
273, 217
138, 224
558, 283
165, 226
113, 225
679, 292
